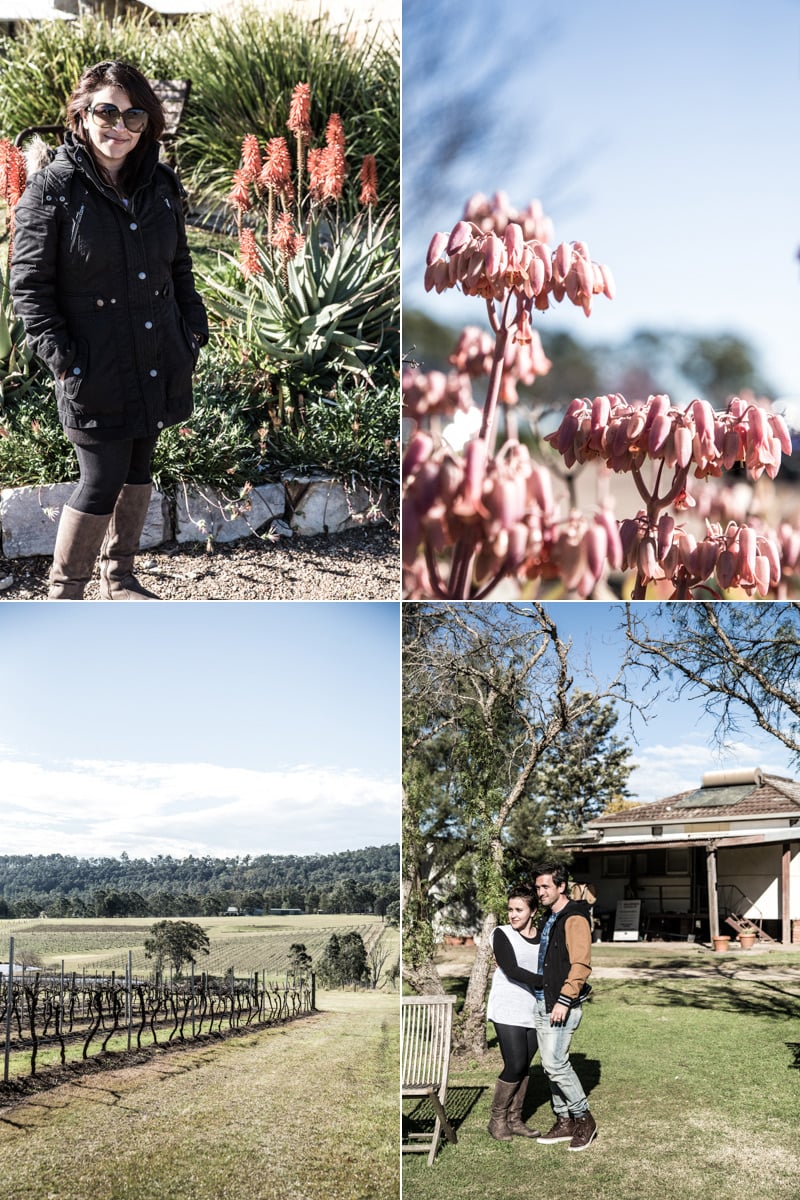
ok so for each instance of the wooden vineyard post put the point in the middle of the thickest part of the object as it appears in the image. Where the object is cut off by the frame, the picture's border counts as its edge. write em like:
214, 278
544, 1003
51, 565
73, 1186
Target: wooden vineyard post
129, 998
192, 996
8, 1005
313, 991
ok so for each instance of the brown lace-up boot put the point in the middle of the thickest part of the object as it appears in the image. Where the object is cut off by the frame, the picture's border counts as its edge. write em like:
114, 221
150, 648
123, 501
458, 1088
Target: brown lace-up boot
514, 1120
503, 1095
585, 1131
562, 1131
117, 580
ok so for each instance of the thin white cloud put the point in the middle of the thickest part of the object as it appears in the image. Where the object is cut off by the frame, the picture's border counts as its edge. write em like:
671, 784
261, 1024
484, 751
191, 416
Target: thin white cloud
663, 770
95, 807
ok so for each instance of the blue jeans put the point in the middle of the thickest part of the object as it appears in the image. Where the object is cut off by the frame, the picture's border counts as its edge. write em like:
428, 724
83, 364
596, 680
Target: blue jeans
567, 1094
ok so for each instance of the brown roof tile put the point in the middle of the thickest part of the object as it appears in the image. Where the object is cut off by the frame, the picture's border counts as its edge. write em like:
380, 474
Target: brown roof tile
775, 795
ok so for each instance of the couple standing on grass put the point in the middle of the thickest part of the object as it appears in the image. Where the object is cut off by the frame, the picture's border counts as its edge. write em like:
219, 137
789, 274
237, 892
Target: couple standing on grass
536, 1001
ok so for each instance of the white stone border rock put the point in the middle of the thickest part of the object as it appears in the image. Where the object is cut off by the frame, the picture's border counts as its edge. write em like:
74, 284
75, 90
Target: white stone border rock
306, 505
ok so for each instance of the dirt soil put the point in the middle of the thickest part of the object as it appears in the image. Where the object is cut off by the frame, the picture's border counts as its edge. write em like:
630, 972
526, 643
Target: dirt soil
360, 564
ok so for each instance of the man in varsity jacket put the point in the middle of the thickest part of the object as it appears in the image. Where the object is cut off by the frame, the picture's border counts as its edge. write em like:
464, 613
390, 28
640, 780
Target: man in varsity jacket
565, 956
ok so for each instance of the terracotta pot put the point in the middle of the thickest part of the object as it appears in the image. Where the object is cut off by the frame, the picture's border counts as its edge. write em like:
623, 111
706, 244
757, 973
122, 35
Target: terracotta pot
721, 943
747, 940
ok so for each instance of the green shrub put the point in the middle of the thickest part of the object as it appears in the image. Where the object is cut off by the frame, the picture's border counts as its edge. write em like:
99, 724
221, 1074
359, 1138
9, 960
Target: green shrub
243, 69
242, 66
33, 449
353, 435
221, 445
336, 308
234, 438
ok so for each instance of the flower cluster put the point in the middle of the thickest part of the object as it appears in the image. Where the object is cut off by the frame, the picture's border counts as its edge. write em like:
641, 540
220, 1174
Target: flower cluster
369, 181
501, 509
285, 237
12, 181
299, 122
737, 556
267, 177
523, 362
492, 216
490, 265
327, 168
12, 173
248, 254
625, 435
433, 393
276, 173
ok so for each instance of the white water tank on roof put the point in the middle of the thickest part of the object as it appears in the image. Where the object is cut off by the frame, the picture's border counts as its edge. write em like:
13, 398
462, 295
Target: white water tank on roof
730, 778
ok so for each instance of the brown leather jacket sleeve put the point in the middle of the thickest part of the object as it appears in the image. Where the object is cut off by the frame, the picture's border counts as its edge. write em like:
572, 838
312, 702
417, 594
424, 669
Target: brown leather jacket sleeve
578, 934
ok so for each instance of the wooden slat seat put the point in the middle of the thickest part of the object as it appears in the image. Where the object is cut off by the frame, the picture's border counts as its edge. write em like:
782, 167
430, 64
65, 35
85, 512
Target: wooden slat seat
426, 1035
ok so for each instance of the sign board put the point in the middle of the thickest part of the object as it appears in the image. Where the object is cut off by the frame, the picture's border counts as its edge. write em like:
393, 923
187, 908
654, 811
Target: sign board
626, 925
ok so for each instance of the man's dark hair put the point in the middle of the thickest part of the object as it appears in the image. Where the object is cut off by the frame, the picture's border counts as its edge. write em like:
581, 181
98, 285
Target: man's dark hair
558, 871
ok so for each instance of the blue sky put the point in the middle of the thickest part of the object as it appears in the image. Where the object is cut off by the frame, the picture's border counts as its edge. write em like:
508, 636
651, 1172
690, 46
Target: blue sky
199, 728
665, 136
674, 744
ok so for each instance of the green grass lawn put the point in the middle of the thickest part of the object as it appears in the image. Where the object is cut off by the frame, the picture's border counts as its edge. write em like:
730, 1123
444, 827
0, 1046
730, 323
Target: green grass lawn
694, 1086
304, 1112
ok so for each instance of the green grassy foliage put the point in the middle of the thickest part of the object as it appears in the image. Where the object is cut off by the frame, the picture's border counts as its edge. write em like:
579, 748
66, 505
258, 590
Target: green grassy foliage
242, 65
305, 1111
692, 1082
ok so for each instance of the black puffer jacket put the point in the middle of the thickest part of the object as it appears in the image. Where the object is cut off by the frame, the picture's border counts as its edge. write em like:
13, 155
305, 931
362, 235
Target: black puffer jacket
107, 295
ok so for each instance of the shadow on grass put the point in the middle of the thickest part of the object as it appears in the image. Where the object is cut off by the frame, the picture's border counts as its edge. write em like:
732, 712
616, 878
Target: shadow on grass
588, 1071
756, 998
460, 1103
795, 1049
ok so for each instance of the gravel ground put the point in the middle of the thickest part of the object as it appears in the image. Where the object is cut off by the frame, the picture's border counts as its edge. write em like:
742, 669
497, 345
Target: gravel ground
361, 564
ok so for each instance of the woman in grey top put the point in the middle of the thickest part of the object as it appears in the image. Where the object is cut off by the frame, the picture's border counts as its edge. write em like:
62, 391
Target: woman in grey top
511, 1009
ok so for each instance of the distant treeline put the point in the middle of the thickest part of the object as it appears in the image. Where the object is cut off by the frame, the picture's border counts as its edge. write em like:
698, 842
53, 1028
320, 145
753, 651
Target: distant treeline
353, 881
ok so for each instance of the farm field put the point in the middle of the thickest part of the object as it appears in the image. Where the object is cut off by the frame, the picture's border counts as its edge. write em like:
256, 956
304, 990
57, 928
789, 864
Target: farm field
306, 1111
246, 943
89, 1009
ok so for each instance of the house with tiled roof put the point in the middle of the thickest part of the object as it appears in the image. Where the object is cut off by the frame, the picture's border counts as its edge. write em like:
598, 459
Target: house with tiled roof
700, 862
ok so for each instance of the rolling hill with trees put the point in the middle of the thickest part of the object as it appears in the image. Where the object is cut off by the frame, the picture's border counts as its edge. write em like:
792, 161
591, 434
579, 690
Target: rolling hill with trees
352, 881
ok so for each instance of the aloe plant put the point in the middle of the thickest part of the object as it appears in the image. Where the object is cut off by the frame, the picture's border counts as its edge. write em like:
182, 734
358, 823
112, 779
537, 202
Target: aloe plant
18, 367
335, 310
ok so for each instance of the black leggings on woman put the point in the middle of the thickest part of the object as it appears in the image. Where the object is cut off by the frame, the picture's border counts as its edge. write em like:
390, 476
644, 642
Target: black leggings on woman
105, 468
517, 1046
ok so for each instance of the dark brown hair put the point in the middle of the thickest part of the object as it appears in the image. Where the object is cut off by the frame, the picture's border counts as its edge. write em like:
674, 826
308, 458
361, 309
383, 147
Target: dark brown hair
558, 871
141, 95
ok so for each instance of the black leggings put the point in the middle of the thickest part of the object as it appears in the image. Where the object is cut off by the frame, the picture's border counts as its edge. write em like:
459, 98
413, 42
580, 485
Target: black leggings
517, 1046
105, 468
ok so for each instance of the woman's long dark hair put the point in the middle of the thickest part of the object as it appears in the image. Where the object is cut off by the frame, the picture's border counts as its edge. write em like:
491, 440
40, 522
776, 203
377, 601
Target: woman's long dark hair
141, 95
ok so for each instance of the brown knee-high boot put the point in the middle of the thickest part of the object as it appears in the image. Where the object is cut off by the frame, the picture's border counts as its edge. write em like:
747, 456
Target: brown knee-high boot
515, 1122
503, 1095
117, 580
77, 544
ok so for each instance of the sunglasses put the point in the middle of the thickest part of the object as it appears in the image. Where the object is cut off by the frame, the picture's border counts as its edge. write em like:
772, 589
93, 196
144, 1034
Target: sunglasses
107, 116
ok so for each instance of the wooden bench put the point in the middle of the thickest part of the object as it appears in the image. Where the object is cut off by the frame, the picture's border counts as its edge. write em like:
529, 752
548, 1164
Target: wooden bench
173, 94
426, 1033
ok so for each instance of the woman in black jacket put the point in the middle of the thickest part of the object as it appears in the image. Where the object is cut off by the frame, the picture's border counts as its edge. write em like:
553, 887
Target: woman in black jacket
102, 278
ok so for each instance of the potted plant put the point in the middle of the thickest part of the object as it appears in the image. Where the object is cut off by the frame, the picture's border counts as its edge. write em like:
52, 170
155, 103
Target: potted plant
747, 935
